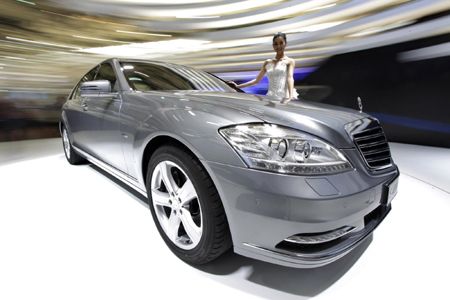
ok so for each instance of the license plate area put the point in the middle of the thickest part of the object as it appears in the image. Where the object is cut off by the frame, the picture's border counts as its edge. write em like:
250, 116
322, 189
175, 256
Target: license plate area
390, 190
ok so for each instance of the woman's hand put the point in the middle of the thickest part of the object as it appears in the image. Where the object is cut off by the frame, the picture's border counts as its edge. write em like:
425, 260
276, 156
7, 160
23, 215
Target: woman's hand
232, 83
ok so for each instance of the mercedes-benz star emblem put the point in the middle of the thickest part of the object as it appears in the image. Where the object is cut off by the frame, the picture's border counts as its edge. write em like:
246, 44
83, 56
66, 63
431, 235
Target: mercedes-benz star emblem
360, 105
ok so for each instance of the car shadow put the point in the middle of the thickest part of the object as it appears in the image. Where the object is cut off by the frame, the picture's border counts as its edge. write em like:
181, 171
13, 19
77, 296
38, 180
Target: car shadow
265, 279
137, 196
299, 282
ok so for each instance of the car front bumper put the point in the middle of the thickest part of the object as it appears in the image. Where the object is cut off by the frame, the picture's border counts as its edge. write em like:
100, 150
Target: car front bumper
264, 209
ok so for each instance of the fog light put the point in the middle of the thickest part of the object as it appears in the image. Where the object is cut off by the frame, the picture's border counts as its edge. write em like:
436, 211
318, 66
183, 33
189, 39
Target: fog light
320, 237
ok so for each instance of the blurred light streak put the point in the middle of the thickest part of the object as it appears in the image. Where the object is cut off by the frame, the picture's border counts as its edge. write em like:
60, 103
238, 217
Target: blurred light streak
258, 63
196, 17
90, 38
29, 45
275, 13
43, 43
435, 51
236, 43
381, 28
25, 66
27, 2
143, 33
158, 2
70, 53
34, 79
32, 75
88, 19
203, 11
37, 90
12, 57
25, 48
144, 48
321, 7
315, 27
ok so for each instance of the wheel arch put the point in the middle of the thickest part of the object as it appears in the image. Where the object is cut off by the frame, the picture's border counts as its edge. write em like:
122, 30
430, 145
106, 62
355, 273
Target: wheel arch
153, 145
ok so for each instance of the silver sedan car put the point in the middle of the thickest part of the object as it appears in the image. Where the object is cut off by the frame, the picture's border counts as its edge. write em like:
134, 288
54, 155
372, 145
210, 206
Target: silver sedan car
298, 184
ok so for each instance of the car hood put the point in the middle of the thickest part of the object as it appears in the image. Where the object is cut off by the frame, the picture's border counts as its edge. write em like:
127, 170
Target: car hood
323, 120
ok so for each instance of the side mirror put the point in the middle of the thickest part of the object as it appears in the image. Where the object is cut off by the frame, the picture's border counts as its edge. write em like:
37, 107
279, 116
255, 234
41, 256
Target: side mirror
97, 89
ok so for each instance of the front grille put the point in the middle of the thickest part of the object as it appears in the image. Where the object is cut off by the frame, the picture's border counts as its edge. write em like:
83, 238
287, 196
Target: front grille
373, 145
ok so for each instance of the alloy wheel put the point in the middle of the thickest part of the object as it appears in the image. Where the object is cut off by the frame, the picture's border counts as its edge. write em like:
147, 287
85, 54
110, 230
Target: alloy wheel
176, 205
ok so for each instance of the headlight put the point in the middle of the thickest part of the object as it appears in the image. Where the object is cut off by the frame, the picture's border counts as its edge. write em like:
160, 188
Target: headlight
284, 150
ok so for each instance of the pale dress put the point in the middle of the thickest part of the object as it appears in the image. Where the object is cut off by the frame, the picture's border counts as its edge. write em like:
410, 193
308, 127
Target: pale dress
277, 75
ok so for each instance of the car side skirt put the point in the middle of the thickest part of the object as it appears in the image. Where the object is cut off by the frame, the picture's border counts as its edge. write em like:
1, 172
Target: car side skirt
128, 180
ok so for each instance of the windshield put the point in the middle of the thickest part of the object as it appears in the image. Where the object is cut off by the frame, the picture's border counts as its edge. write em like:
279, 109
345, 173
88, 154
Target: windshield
143, 76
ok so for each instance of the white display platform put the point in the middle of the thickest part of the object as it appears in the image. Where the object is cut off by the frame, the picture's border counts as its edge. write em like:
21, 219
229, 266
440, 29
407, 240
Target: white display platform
73, 232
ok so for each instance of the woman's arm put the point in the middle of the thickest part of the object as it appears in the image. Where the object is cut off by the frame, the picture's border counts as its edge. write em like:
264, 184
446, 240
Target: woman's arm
254, 81
290, 78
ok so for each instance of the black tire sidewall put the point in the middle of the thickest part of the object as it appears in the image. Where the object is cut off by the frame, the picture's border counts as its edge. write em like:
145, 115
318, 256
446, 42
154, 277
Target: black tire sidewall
192, 168
74, 159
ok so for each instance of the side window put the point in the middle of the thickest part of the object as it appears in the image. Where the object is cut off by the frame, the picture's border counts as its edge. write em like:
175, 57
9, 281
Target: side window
88, 77
106, 72
149, 77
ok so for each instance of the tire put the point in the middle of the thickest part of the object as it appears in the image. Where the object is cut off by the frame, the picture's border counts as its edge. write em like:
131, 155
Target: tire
72, 157
186, 206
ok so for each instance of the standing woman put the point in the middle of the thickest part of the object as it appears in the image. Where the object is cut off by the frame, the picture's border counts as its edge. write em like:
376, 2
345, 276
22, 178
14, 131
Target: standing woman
280, 72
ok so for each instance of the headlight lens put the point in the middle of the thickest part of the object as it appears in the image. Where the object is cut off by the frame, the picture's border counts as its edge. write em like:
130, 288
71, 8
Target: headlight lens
284, 150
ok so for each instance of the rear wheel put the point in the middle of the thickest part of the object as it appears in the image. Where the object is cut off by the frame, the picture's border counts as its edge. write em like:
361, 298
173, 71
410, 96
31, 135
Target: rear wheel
185, 206
72, 157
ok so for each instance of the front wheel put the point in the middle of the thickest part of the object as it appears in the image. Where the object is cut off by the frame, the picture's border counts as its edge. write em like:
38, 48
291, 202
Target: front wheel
186, 206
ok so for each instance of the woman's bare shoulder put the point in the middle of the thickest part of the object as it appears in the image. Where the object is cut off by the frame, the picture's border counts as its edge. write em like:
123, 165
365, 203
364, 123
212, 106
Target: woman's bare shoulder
290, 61
266, 62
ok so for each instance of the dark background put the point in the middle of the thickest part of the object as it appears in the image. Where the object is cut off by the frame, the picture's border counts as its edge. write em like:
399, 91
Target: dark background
411, 99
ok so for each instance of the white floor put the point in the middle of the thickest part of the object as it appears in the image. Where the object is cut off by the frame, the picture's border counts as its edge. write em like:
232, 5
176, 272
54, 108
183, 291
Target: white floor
72, 232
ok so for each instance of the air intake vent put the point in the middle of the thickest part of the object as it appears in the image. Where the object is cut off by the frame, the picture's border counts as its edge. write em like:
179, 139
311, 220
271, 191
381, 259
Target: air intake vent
374, 148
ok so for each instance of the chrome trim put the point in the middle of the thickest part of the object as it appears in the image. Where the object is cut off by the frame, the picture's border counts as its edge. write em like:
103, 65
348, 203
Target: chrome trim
125, 178
306, 257
360, 126
358, 238
321, 237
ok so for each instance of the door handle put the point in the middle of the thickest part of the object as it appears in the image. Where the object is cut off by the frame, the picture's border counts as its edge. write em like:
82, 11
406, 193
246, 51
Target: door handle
84, 105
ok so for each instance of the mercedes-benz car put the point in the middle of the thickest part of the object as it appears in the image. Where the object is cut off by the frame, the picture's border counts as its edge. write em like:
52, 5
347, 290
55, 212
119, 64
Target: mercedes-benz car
298, 184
